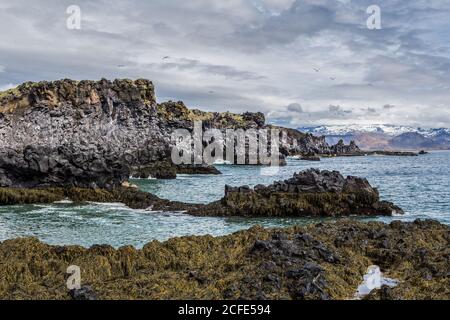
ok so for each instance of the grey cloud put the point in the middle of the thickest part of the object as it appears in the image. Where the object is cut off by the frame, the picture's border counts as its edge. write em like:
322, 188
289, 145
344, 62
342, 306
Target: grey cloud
295, 107
247, 55
212, 69
338, 110
302, 18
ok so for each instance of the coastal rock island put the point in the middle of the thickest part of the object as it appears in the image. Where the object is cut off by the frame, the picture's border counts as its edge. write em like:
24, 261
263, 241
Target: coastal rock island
308, 193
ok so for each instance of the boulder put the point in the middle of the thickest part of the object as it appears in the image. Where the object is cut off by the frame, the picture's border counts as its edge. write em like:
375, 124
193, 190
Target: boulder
308, 193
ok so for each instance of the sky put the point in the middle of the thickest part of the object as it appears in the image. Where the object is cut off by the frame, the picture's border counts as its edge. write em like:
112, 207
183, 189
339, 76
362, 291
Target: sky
301, 62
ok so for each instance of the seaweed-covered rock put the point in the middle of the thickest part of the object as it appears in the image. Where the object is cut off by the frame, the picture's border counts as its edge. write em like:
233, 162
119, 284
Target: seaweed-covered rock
322, 261
308, 193
126, 194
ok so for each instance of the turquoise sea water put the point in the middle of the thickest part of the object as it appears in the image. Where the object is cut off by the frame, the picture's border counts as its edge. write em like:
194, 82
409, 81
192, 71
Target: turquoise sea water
420, 185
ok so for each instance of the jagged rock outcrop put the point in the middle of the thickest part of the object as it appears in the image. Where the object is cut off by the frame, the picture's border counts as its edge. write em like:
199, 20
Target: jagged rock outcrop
89, 134
96, 133
308, 193
342, 149
321, 261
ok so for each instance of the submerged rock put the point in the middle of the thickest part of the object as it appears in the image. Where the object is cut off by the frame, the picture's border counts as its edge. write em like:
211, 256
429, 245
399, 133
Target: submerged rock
308, 193
322, 261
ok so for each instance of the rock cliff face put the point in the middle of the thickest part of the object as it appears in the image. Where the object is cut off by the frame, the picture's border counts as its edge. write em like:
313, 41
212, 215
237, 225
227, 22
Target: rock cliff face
308, 193
98, 133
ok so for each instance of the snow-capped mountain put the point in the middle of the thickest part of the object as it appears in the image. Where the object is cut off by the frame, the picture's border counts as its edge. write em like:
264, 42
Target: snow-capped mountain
387, 129
384, 136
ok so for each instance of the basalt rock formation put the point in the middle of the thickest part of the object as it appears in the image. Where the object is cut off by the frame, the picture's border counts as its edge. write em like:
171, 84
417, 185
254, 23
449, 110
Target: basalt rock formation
308, 193
322, 261
98, 133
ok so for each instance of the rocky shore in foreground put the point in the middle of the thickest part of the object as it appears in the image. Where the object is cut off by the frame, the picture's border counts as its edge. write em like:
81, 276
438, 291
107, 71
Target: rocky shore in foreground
323, 261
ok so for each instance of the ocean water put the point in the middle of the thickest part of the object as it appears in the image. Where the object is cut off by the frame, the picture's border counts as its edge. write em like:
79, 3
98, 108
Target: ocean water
420, 185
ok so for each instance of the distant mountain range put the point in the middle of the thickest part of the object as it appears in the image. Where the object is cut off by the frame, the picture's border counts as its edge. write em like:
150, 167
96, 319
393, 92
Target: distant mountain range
385, 137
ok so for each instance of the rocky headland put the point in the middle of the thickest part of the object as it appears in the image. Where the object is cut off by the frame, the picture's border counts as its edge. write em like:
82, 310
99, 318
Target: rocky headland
96, 134
322, 261
83, 140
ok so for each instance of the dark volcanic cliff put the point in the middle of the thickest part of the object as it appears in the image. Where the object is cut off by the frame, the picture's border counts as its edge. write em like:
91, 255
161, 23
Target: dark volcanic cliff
98, 133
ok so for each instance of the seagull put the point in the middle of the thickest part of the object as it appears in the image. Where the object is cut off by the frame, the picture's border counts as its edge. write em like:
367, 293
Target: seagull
166, 57
316, 69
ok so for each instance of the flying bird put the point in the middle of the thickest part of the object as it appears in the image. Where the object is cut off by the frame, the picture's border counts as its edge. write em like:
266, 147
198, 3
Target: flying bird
316, 69
121, 66
332, 78
166, 57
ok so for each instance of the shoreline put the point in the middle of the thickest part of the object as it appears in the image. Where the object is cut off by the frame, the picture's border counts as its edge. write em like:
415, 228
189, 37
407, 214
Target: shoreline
310, 192
252, 264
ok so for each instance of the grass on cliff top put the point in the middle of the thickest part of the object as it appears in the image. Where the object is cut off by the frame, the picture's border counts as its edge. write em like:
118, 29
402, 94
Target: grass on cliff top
13, 91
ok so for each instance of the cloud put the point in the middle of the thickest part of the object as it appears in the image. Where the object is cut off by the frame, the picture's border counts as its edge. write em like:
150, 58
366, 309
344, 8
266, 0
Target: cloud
7, 86
244, 55
191, 65
302, 18
295, 107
